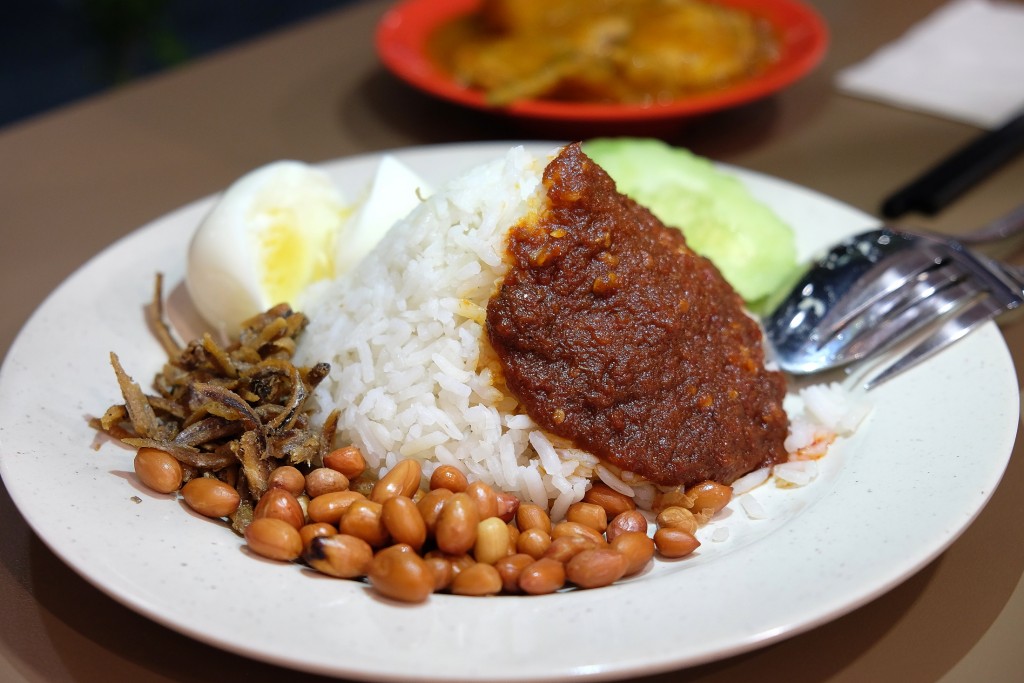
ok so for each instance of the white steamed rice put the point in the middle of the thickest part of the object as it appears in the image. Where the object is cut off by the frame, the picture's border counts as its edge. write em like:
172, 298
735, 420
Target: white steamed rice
403, 333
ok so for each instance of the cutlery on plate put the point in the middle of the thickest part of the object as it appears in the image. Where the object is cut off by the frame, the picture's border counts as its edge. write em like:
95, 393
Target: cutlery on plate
888, 287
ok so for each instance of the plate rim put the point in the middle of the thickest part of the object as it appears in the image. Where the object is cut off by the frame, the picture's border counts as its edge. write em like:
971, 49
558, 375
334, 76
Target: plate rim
647, 665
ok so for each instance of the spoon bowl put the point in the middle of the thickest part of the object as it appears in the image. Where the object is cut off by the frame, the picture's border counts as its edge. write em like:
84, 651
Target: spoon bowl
878, 288
794, 329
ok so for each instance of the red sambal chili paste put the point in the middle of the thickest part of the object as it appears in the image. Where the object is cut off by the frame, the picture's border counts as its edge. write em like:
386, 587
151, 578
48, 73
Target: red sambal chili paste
616, 335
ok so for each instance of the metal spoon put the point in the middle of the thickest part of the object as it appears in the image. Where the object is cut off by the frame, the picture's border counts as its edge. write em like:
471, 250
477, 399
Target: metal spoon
879, 287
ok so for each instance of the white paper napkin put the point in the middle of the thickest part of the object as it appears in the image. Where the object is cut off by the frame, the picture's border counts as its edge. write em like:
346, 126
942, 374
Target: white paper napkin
965, 61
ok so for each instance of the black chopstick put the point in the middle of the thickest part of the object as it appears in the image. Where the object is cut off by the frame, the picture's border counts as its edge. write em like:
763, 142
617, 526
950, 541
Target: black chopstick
942, 184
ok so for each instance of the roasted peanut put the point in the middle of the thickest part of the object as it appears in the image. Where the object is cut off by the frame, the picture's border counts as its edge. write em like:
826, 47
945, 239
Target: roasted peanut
364, 519
513, 536
611, 500
404, 522
401, 480
430, 507
492, 540
329, 507
485, 497
542, 576
675, 517
280, 504
673, 543
709, 495
509, 568
630, 520
637, 547
274, 539
158, 470
674, 497
308, 532
530, 516
288, 478
562, 549
448, 477
507, 506
533, 542
460, 562
478, 579
457, 562
399, 573
588, 514
324, 480
210, 497
456, 526
348, 460
576, 529
441, 568
340, 555
595, 568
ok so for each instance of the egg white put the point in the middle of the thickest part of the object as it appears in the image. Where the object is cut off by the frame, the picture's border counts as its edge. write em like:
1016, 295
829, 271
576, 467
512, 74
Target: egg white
283, 227
268, 237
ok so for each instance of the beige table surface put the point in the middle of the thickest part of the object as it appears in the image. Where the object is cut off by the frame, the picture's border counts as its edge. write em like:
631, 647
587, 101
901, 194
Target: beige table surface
73, 181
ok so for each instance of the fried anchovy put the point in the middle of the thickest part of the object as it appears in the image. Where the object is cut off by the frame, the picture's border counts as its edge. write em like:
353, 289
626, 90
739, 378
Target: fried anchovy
316, 374
140, 413
256, 468
158, 322
237, 408
206, 430
286, 419
327, 433
219, 356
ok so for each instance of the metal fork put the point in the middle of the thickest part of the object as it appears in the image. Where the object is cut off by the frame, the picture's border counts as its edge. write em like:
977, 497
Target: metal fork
940, 291
884, 287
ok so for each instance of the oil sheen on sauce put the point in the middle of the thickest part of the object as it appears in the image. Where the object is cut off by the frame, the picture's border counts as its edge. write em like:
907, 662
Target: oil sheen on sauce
612, 333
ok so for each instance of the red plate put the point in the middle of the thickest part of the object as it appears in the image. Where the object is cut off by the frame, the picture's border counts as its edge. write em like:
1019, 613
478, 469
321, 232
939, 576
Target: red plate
402, 45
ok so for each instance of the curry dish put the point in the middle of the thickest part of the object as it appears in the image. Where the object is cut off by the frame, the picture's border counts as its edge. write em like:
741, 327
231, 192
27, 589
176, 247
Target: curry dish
608, 51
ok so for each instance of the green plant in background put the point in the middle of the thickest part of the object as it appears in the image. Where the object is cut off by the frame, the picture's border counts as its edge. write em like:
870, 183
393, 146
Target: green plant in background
134, 36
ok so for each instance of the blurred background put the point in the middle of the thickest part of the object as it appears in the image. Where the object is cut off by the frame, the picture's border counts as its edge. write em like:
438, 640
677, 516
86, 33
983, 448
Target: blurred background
53, 52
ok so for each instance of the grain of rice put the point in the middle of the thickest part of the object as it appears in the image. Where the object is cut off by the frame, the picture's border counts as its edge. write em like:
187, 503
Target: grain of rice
519, 422
750, 481
752, 506
644, 495
796, 473
613, 481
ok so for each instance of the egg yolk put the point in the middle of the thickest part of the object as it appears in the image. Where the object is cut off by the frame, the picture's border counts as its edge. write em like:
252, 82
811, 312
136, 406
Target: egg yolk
291, 258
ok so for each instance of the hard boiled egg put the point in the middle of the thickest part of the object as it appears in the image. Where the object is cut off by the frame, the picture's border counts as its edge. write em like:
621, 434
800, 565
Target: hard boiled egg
394, 191
271, 234
282, 227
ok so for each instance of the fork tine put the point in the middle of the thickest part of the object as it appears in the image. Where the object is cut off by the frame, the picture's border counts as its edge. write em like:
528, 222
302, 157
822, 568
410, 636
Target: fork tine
917, 301
912, 317
888, 277
982, 310
938, 279
870, 296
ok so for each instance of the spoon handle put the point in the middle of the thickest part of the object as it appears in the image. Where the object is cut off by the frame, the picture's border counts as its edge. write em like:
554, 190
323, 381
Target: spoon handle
995, 238
1002, 228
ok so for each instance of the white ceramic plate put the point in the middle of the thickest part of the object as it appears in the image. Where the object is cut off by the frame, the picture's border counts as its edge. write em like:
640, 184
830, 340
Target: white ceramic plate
886, 502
